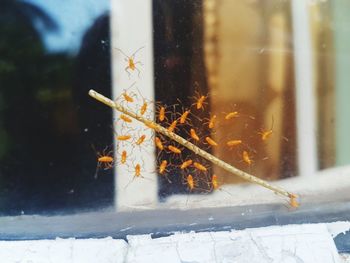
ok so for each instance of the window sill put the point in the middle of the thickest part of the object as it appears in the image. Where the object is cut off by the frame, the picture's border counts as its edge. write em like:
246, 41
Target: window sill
289, 243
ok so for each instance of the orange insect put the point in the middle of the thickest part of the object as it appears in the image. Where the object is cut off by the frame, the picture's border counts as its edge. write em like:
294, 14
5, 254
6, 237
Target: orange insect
162, 169
174, 149
172, 126
123, 137
141, 140
137, 173
190, 182
246, 158
214, 182
104, 160
125, 118
163, 166
200, 166
200, 102
127, 97
211, 141
199, 99
184, 116
185, 164
194, 135
131, 61
231, 115
265, 134
161, 115
123, 157
233, 143
143, 108
293, 201
138, 170
215, 185
159, 143
211, 123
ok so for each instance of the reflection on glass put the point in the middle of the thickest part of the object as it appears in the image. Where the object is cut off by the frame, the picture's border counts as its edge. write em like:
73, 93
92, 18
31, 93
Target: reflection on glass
47, 162
72, 19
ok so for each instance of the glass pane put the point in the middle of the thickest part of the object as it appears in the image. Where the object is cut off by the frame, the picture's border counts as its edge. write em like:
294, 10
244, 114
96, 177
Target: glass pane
52, 53
238, 55
225, 79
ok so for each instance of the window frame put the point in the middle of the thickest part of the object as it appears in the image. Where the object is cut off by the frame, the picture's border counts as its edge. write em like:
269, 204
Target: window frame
158, 223
140, 192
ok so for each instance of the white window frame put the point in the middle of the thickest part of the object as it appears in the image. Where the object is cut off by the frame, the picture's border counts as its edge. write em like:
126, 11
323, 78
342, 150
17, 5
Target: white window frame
131, 29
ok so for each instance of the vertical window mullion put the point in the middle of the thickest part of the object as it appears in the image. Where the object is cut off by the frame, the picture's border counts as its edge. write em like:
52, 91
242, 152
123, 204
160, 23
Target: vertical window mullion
131, 29
305, 91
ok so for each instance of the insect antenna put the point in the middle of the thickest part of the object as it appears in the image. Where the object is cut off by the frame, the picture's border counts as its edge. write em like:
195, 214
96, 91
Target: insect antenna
133, 54
121, 51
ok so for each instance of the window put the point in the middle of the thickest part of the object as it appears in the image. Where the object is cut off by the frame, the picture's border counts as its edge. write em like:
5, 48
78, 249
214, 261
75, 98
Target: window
279, 64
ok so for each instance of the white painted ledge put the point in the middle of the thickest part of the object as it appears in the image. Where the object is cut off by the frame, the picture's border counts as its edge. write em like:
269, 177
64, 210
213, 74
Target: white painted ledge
63, 251
291, 243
